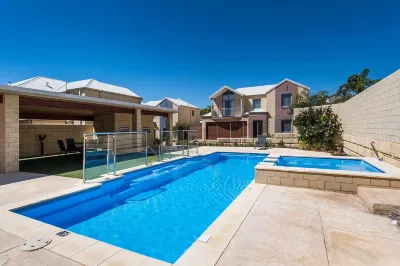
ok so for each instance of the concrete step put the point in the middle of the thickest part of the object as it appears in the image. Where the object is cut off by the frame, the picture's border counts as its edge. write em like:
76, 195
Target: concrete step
270, 160
379, 200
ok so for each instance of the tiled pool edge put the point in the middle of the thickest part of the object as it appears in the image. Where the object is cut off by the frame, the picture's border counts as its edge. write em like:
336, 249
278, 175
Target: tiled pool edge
222, 230
332, 180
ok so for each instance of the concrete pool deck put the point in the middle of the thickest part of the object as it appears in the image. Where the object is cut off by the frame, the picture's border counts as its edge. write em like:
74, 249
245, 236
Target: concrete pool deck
265, 225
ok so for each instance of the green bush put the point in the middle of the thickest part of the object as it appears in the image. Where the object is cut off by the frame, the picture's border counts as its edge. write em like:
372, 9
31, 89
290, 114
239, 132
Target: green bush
319, 128
157, 141
235, 144
281, 144
268, 144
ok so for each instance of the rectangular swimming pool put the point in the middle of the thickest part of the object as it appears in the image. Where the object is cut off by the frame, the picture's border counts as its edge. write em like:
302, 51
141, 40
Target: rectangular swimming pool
327, 163
157, 211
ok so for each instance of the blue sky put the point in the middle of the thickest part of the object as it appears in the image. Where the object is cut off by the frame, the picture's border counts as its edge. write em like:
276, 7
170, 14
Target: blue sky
189, 49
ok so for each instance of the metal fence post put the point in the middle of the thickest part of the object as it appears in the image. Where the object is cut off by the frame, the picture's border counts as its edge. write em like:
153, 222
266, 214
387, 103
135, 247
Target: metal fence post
108, 153
147, 160
84, 158
115, 154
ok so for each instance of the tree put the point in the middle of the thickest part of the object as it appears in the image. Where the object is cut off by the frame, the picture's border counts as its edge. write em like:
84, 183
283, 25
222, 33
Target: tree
205, 110
355, 84
304, 99
319, 128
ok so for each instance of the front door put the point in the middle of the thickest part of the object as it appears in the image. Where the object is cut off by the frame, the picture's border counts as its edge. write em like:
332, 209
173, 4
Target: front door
257, 128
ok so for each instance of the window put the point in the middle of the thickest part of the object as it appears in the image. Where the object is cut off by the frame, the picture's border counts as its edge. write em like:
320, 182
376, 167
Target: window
256, 103
124, 129
228, 104
286, 100
286, 126
192, 112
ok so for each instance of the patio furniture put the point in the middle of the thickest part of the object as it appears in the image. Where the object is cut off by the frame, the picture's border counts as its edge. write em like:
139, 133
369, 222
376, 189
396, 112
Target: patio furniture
261, 140
61, 146
72, 146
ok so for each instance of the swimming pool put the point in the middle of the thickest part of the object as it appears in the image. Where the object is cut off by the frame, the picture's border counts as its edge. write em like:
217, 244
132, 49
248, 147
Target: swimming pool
157, 211
327, 163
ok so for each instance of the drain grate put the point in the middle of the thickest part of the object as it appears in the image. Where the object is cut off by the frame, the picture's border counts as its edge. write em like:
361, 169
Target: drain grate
63, 233
36, 244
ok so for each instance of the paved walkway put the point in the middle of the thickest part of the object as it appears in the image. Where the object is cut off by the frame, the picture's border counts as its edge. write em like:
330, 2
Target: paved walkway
265, 225
295, 226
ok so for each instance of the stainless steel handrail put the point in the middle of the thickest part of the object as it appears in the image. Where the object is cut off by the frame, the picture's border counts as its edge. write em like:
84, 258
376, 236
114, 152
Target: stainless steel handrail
376, 152
158, 156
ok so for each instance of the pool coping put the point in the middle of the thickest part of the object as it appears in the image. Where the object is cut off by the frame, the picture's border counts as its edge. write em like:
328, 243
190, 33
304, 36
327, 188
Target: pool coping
28, 228
390, 171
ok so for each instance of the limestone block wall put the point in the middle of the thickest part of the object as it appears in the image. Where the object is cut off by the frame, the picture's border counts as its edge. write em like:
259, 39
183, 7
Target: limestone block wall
373, 116
29, 143
9, 130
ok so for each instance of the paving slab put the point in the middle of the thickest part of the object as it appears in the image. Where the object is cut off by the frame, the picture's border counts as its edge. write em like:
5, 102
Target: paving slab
233, 258
346, 248
124, 258
345, 201
295, 194
358, 222
9, 241
96, 254
380, 201
41, 257
283, 229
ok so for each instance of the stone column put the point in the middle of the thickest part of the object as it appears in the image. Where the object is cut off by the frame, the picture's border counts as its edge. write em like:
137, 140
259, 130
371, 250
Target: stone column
169, 126
9, 133
203, 130
140, 140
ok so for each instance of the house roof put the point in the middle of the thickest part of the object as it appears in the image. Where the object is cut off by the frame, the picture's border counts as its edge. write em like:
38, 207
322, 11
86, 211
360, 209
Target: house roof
256, 90
178, 102
42, 83
222, 90
97, 85
55, 85
153, 103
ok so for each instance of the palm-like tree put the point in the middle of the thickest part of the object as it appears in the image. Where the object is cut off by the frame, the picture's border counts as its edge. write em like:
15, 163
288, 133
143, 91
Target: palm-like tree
355, 84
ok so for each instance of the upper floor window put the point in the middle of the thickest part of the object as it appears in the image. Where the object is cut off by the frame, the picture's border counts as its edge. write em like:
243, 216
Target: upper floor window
192, 112
286, 126
286, 100
228, 96
256, 103
228, 103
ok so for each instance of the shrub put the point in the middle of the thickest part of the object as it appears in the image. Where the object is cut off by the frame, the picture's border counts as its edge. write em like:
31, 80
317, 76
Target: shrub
319, 128
235, 144
281, 144
268, 144
157, 141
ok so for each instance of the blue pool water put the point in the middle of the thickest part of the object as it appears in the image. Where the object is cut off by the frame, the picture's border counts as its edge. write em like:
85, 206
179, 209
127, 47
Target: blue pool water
159, 211
327, 163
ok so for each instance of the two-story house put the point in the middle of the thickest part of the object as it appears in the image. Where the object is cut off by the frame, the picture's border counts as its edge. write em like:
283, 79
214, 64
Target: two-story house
251, 111
187, 114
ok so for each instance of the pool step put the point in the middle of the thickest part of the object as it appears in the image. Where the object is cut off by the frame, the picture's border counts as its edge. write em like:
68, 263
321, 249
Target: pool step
269, 160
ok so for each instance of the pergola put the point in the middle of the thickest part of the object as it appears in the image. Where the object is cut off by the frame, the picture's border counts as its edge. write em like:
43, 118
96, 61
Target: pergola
24, 103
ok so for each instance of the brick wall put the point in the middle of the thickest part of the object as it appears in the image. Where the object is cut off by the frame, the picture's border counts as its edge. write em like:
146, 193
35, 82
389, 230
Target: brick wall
9, 130
373, 115
29, 142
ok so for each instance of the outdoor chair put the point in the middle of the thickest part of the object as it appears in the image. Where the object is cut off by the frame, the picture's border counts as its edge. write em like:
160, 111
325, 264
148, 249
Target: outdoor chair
261, 140
61, 146
72, 146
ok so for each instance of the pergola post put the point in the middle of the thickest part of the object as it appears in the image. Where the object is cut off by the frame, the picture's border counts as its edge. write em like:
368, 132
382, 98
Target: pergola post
9, 133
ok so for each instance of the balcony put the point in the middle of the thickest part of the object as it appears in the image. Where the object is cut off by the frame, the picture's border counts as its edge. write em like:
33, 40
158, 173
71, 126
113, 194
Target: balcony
227, 112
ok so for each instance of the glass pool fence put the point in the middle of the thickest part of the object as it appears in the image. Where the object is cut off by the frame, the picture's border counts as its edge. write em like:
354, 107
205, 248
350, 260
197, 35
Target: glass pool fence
106, 153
